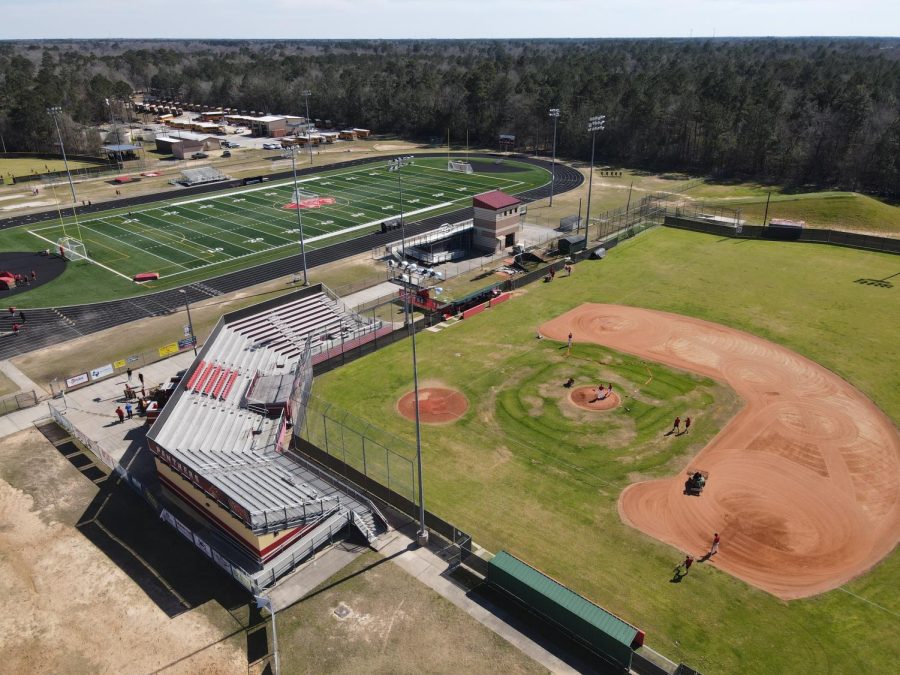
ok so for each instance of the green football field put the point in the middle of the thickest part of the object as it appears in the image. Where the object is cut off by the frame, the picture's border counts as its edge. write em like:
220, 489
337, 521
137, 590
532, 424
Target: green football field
198, 235
518, 474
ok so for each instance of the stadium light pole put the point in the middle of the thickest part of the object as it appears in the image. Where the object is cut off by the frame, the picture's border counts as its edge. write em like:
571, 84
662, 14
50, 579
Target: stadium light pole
395, 165
595, 124
554, 113
53, 111
187, 306
299, 217
306, 94
266, 601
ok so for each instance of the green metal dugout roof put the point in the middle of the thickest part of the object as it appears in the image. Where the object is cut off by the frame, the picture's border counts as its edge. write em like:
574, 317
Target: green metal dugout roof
540, 583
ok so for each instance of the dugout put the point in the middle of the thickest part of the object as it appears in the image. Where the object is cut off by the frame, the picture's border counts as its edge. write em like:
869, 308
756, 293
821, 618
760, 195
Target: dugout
570, 245
782, 229
602, 632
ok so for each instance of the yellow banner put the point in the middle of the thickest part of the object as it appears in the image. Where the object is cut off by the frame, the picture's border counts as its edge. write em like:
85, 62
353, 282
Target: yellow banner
169, 349
119, 364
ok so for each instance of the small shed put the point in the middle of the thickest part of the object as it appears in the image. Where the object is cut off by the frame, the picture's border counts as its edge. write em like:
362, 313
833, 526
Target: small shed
570, 245
569, 223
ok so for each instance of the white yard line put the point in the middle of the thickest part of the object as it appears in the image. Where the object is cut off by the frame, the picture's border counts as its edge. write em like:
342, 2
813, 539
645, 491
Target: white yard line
309, 240
108, 269
240, 192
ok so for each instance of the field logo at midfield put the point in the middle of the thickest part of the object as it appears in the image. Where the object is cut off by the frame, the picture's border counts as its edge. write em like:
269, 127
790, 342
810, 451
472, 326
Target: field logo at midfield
313, 203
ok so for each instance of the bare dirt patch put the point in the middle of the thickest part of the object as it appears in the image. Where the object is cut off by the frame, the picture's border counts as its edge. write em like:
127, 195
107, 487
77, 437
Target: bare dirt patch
437, 405
804, 483
68, 607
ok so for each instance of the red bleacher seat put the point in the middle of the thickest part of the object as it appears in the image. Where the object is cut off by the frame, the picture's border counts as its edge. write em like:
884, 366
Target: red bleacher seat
198, 385
229, 385
195, 375
223, 378
212, 378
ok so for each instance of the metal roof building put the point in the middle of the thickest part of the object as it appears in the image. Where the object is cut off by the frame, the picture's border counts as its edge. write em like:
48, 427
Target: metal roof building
222, 442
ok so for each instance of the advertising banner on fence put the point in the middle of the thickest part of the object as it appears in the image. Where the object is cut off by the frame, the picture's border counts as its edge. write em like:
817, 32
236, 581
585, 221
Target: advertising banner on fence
202, 545
185, 530
101, 371
186, 343
169, 349
119, 364
75, 380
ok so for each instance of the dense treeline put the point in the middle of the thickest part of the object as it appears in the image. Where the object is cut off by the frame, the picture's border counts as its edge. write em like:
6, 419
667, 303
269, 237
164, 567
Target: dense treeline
801, 111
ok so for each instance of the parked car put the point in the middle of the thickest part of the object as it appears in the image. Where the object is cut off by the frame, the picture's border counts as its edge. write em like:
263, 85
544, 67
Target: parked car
199, 155
227, 153
271, 146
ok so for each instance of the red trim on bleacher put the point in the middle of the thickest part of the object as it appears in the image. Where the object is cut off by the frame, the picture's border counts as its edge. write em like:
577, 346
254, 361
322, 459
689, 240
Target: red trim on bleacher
196, 374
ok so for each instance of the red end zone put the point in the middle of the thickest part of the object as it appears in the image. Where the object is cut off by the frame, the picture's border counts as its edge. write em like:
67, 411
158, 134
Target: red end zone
313, 203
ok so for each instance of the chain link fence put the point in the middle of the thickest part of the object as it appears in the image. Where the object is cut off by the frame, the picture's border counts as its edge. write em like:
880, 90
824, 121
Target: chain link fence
18, 401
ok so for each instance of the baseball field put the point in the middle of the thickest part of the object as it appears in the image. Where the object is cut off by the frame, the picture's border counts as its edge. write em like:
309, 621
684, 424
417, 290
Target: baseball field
592, 496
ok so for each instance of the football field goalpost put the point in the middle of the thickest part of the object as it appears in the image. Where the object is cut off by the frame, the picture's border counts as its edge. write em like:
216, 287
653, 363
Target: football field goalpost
72, 249
460, 166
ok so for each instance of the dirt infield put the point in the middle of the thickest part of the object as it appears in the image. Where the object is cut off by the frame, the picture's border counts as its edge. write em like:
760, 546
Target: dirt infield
804, 482
586, 397
437, 405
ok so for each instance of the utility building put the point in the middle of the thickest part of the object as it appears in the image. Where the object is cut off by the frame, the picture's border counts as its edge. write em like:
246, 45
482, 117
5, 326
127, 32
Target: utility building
497, 219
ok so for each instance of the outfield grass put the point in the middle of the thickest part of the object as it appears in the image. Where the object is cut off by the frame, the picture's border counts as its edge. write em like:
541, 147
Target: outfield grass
195, 238
512, 475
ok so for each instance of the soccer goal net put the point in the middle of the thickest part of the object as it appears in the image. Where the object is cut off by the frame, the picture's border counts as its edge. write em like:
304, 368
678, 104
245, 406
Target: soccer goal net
302, 195
462, 167
71, 249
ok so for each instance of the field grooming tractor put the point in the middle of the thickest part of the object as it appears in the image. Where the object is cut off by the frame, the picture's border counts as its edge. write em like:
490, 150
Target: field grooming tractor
696, 481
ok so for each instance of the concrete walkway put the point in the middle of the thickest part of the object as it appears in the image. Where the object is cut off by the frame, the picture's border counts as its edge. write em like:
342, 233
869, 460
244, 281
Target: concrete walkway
428, 569
21, 380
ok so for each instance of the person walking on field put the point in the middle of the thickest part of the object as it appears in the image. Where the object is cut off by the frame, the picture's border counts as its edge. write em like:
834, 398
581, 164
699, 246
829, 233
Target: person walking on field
715, 545
682, 568
128, 373
687, 424
677, 425
570, 341
120, 413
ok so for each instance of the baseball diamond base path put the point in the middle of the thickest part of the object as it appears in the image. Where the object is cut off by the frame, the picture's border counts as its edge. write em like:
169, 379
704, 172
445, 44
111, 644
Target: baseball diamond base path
804, 482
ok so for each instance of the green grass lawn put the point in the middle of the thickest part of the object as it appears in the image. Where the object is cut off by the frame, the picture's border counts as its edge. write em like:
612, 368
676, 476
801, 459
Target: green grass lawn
195, 238
837, 210
26, 166
520, 472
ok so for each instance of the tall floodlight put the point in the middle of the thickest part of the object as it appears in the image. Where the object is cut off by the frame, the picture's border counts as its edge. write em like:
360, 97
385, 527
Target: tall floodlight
187, 306
306, 94
395, 165
53, 111
595, 124
299, 217
554, 113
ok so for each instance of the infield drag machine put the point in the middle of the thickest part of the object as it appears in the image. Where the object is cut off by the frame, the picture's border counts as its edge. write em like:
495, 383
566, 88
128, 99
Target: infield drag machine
696, 481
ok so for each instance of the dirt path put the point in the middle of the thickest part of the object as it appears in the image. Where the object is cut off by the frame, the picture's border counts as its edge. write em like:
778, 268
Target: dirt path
804, 484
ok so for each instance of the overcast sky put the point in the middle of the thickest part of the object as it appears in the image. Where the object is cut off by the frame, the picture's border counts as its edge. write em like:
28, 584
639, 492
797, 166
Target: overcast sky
22, 19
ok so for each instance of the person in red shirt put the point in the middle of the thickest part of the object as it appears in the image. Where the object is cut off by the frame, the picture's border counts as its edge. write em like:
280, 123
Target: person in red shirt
677, 425
687, 424
715, 545
120, 413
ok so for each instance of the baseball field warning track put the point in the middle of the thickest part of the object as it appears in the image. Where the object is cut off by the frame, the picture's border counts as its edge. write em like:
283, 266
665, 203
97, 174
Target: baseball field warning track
804, 482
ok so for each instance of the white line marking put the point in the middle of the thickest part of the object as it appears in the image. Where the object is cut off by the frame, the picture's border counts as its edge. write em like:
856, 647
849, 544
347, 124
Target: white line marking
108, 269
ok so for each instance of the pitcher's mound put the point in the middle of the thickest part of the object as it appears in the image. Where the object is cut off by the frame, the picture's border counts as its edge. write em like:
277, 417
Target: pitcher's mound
586, 397
437, 405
